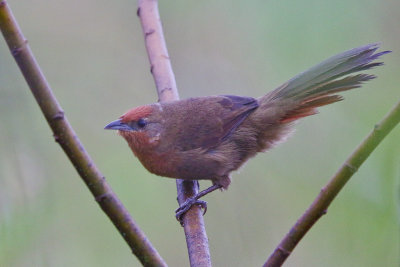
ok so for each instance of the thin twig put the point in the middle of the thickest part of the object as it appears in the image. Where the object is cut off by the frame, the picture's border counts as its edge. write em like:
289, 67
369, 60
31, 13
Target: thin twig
66, 137
196, 237
329, 192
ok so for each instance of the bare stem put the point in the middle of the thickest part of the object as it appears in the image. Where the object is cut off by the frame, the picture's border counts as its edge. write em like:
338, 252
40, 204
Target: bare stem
66, 137
196, 237
329, 192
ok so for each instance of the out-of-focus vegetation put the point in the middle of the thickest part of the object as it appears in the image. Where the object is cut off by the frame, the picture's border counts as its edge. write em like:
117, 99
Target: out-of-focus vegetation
93, 55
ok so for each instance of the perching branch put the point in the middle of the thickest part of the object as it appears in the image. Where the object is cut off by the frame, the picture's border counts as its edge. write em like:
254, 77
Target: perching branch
196, 237
66, 137
329, 192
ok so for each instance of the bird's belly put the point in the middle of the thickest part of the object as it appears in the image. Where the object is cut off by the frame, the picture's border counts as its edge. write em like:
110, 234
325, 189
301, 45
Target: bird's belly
183, 166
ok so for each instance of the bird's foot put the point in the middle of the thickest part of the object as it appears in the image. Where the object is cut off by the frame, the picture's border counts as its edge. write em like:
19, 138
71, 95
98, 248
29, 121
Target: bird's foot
180, 212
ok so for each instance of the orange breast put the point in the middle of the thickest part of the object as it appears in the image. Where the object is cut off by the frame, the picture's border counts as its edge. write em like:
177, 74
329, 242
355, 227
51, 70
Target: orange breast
160, 163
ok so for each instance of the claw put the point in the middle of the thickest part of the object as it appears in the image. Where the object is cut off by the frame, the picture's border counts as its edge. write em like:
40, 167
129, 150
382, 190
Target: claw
181, 211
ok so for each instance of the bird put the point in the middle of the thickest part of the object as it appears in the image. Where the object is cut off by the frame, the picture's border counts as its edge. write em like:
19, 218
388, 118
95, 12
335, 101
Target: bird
206, 138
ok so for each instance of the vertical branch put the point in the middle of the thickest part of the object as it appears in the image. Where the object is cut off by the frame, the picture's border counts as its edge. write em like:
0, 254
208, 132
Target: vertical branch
68, 140
160, 65
330, 191
196, 237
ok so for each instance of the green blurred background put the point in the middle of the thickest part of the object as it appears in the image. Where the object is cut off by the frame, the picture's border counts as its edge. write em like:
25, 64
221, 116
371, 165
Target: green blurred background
93, 55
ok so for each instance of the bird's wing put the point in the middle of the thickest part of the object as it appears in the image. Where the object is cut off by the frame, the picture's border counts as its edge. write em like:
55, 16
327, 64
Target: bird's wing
239, 108
212, 120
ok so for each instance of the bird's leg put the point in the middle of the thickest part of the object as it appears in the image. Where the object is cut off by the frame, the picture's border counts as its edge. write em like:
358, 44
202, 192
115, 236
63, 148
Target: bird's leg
179, 212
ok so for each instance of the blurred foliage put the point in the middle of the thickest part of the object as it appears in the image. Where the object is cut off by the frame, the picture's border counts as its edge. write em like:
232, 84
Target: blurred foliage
93, 55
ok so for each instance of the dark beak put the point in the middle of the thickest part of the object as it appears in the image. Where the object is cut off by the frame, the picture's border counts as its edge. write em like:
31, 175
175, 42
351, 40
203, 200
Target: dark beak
118, 125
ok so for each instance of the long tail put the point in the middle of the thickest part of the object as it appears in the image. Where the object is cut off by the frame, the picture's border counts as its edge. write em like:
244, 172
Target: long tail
317, 86
303, 94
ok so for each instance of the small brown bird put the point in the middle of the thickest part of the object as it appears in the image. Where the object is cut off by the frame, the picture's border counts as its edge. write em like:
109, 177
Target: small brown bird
209, 137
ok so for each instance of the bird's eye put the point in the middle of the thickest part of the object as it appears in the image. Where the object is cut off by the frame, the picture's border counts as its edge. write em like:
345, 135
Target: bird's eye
141, 123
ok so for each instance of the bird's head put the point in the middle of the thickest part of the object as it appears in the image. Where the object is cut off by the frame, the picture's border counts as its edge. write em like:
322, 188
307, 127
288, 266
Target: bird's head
141, 127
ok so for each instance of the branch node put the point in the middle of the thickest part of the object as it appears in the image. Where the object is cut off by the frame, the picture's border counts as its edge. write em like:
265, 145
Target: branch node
17, 50
149, 32
151, 68
284, 252
103, 197
58, 116
351, 167
3, 3
57, 138
138, 12
324, 211
165, 90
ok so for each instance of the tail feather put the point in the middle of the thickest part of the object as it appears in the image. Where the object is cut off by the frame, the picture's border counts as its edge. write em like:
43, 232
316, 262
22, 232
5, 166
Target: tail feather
308, 108
347, 83
348, 62
316, 86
